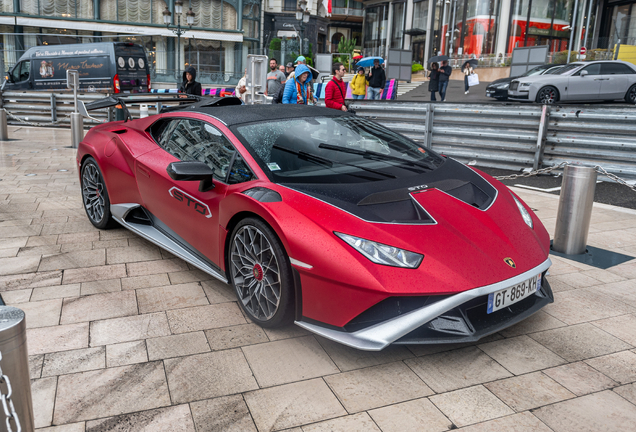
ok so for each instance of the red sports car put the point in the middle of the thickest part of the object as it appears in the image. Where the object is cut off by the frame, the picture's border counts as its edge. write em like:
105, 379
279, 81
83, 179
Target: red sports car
331, 220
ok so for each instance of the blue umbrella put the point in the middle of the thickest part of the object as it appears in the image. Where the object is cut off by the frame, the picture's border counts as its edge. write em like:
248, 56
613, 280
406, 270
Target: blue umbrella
368, 61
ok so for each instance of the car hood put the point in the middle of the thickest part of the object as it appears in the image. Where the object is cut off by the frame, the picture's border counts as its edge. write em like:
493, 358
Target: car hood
501, 81
540, 78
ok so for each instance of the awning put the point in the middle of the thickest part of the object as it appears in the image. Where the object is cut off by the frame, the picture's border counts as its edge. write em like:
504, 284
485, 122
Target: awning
287, 33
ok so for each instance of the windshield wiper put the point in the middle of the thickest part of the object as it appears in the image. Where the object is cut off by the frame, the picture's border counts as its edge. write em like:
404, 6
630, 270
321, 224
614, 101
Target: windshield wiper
316, 158
372, 154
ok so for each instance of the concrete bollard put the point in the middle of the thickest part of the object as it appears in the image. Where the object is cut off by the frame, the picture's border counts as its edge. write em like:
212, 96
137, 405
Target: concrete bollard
4, 131
575, 210
77, 129
15, 365
143, 111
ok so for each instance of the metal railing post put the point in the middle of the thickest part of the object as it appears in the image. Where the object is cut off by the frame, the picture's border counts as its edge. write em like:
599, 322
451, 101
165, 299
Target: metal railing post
575, 210
4, 131
543, 130
14, 364
77, 129
53, 109
430, 113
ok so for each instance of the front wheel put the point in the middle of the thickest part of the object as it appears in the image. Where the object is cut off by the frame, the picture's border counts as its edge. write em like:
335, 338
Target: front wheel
630, 97
261, 274
548, 95
95, 195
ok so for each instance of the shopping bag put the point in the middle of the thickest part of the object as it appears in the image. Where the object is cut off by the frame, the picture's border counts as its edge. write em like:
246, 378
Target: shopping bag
473, 80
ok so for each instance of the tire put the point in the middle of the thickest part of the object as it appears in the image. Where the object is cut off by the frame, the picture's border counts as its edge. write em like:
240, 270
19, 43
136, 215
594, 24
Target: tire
630, 96
548, 95
260, 273
95, 196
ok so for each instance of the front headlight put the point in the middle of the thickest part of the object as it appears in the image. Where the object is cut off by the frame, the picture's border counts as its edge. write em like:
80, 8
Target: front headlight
503, 86
524, 213
383, 254
525, 84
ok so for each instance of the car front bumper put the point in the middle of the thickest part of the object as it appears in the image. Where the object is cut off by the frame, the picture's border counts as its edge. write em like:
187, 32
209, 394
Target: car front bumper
453, 319
497, 93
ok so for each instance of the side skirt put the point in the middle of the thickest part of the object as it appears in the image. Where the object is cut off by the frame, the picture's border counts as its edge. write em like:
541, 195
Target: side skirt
153, 235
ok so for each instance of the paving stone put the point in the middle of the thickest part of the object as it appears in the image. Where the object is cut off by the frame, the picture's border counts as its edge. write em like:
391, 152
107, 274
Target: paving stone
72, 427
623, 291
56, 291
20, 231
43, 397
112, 391
19, 265
623, 327
579, 342
293, 405
204, 376
470, 405
347, 358
287, 332
235, 336
101, 287
456, 369
126, 353
42, 313
74, 247
35, 365
377, 386
57, 338
73, 260
177, 345
188, 276
9, 252
171, 297
89, 274
353, 423
218, 292
418, 415
583, 305
15, 242
116, 234
204, 317
529, 391
154, 267
150, 281
580, 378
39, 250
628, 392
132, 254
99, 307
41, 240
604, 411
18, 296
522, 422
289, 360
621, 366
521, 354
132, 328
171, 419
227, 414
66, 362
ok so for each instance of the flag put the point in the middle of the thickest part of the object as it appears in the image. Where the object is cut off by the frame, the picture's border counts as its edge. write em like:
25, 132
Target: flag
327, 5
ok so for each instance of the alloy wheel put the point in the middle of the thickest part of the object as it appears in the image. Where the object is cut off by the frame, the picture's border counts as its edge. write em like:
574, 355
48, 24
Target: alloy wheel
93, 193
632, 95
547, 95
256, 272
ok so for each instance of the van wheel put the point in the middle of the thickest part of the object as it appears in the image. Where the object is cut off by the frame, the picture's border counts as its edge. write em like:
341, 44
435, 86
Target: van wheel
630, 97
548, 95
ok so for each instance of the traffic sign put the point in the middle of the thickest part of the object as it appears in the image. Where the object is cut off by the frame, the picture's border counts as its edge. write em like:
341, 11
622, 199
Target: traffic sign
583, 51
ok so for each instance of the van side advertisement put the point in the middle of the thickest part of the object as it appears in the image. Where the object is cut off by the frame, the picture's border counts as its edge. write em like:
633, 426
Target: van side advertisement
94, 72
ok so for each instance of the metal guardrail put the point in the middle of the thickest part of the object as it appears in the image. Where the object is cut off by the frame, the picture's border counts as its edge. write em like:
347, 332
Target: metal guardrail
515, 137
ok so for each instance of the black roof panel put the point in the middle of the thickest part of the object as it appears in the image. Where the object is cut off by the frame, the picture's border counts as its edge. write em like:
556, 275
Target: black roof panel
233, 115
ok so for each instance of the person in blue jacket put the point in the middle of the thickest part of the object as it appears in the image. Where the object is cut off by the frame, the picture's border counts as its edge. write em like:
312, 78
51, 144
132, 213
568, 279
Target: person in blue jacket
298, 89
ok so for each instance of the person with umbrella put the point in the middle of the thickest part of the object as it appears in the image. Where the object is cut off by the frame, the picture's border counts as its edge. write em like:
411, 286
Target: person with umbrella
467, 69
377, 80
433, 76
444, 76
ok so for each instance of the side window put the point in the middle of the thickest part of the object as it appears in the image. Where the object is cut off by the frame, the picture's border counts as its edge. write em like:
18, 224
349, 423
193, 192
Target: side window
194, 140
594, 69
615, 69
21, 71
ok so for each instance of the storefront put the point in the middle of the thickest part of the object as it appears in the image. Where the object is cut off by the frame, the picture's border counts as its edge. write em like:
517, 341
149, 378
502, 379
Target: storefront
618, 24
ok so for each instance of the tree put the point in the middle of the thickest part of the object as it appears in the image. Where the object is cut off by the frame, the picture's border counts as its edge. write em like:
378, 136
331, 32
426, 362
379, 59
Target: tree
346, 46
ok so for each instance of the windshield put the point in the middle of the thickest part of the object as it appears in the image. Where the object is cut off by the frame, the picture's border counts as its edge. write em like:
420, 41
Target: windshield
567, 70
344, 149
536, 71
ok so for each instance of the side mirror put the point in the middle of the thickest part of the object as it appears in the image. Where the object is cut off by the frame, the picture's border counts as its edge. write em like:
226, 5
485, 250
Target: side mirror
584, 73
192, 171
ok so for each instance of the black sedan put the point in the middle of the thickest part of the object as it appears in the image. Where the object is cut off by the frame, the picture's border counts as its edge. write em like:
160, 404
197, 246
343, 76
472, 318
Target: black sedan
498, 89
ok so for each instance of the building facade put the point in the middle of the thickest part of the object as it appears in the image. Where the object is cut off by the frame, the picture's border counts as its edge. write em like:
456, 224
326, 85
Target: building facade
493, 28
224, 32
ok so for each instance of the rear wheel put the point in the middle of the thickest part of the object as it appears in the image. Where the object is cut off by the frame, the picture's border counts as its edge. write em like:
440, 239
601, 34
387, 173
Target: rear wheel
548, 95
95, 195
261, 274
630, 97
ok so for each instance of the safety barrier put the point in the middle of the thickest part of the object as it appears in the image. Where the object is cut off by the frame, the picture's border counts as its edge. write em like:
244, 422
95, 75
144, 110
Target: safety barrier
515, 137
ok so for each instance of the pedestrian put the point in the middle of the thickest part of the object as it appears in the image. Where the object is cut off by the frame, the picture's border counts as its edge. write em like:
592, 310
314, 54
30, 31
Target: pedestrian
359, 84
336, 89
444, 75
377, 81
282, 69
468, 70
298, 89
289, 68
433, 76
299, 60
275, 78
241, 87
189, 84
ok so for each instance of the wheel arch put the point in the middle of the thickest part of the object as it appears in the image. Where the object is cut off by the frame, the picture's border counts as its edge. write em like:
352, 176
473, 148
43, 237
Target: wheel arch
558, 92
629, 89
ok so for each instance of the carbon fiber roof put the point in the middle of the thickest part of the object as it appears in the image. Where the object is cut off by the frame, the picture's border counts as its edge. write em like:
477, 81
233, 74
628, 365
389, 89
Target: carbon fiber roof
233, 115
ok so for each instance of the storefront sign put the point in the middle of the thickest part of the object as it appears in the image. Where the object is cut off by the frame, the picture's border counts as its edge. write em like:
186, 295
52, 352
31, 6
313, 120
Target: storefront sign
534, 31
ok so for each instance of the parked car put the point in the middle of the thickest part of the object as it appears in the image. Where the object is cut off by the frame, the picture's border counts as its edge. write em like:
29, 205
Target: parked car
351, 230
110, 67
579, 82
498, 89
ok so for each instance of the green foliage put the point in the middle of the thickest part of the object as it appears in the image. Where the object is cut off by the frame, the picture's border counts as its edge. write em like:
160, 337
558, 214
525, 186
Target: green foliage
310, 56
562, 57
416, 67
345, 46
274, 44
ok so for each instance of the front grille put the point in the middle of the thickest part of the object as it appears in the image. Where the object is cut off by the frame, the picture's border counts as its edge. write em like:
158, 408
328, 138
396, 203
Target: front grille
514, 85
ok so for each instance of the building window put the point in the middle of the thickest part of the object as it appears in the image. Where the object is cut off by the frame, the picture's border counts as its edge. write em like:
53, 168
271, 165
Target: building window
132, 11
420, 15
397, 27
6, 5
251, 20
375, 24
58, 8
290, 5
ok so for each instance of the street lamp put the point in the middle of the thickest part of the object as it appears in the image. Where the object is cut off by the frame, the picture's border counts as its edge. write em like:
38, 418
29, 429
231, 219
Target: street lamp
302, 15
178, 10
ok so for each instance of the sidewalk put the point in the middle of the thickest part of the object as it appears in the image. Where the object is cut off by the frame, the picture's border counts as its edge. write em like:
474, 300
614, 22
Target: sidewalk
125, 337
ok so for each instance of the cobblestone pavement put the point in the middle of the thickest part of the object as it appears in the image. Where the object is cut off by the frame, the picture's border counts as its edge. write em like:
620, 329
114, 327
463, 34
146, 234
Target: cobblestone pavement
125, 337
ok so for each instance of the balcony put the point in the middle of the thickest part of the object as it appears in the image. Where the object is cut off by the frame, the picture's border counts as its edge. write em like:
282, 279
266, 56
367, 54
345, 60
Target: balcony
346, 12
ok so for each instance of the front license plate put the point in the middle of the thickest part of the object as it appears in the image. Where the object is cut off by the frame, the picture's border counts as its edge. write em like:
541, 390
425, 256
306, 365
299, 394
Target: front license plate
505, 297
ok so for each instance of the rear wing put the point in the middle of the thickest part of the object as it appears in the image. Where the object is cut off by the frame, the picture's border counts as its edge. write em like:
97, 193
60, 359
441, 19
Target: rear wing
184, 101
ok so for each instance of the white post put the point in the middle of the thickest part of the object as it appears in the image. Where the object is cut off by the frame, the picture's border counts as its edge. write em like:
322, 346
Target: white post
572, 25
502, 28
429, 31
408, 24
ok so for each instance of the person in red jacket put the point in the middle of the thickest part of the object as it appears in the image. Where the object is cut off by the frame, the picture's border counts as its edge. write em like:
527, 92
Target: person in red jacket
336, 89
